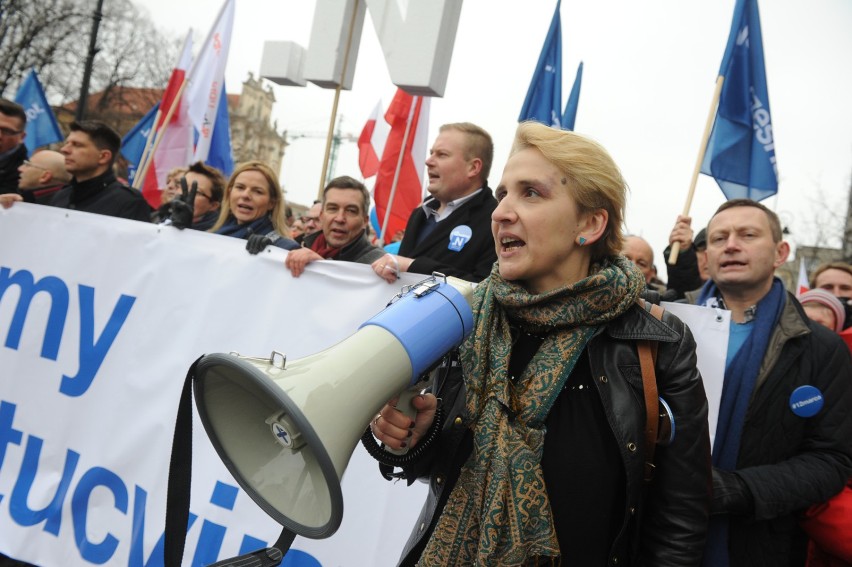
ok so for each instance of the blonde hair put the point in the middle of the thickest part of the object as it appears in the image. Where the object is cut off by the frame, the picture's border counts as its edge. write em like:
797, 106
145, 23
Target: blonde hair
275, 195
595, 180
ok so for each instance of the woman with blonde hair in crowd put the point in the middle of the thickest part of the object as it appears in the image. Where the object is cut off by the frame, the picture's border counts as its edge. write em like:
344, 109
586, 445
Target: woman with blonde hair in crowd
541, 458
253, 208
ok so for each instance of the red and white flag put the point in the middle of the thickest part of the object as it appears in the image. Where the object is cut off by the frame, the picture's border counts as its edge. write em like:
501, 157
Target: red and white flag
399, 182
803, 284
176, 144
371, 142
205, 79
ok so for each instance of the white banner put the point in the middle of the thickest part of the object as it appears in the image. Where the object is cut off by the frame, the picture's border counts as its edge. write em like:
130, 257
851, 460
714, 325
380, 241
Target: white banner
100, 319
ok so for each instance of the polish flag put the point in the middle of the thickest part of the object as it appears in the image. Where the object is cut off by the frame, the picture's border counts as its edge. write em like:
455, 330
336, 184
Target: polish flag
803, 284
371, 142
206, 80
399, 182
176, 145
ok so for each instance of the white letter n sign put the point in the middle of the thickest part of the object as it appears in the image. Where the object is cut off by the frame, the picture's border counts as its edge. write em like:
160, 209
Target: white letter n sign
416, 36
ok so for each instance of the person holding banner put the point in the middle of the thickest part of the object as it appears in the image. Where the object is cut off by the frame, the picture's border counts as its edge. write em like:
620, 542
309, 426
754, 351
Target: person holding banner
253, 208
13, 152
449, 232
541, 458
42, 176
784, 433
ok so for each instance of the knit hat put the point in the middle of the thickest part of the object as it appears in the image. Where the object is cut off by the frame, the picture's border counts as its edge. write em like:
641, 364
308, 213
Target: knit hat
827, 299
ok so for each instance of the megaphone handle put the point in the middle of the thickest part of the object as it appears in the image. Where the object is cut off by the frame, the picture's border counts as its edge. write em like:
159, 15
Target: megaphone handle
404, 405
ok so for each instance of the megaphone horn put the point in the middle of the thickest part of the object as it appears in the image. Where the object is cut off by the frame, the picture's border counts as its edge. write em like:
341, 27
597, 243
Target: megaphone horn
286, 430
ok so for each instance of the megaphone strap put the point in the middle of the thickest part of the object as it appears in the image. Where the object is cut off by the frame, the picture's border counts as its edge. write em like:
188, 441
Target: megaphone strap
177, 498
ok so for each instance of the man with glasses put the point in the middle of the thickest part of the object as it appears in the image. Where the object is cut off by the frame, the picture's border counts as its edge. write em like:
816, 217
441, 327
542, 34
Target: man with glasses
208, 197
311, 219
42, 176
13, 152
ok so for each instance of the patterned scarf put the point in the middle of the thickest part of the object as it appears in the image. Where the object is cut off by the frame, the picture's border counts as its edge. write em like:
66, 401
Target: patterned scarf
498, 512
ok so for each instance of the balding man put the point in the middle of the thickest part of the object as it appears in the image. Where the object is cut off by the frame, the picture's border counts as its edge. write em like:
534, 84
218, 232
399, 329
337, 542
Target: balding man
638, 251
41, 176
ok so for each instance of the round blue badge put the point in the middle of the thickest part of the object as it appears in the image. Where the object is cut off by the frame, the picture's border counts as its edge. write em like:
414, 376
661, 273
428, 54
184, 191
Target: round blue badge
806, 401
459, 237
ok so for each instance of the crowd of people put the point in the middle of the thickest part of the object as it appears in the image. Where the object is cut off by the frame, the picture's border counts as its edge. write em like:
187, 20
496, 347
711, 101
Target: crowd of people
535, 444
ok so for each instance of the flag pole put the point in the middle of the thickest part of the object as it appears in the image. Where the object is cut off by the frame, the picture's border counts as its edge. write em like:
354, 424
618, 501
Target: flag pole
398, 169
708, 127
141, 173
331, 122
146, 152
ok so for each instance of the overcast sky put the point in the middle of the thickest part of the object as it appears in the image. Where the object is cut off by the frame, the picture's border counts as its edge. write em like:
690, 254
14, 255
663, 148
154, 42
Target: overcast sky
649, 72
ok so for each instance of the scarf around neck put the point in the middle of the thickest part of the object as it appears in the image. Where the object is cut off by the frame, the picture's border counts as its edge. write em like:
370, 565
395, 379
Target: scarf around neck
498, 513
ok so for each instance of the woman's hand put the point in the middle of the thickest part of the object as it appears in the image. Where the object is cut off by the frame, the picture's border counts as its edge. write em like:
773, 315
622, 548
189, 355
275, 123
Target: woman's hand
396, 430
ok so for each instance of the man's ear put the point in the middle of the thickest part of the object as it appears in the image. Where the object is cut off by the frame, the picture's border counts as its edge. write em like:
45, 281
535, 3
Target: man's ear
104, 157
782, 251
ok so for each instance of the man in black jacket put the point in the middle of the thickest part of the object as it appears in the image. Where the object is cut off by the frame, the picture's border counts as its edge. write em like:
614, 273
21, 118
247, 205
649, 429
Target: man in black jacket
451, 231
784, 434
90, 151
13, 152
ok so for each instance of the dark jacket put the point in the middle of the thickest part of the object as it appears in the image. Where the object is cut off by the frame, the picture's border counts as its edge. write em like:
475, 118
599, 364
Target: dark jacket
359, 250
684, 275
788, 462
103, 195
476, 257
663, 523
9, 175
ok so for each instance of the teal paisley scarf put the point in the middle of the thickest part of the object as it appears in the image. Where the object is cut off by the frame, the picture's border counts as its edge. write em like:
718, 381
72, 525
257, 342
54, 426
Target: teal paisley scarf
498, 512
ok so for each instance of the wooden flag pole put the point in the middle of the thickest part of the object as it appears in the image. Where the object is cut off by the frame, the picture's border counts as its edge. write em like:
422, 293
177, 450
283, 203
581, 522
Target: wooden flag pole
146, 152
330, 136
141, 173
708, 127
398, 169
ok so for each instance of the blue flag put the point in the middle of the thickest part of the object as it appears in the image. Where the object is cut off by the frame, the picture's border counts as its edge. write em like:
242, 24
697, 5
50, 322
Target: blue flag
570, 114
42, 128
741, 150
134, 141
221, 156
544, 97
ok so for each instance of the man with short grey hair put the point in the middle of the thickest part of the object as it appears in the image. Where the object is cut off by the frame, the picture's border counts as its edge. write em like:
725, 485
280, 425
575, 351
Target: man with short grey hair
41, 176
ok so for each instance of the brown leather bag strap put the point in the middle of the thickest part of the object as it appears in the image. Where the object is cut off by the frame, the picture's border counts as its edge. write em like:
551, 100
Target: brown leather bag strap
647, 359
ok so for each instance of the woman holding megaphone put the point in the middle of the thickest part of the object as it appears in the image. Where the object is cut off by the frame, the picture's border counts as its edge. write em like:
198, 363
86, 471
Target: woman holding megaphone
540, 457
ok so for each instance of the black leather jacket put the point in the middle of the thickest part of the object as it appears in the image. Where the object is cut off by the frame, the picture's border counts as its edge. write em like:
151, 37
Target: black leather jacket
665, 521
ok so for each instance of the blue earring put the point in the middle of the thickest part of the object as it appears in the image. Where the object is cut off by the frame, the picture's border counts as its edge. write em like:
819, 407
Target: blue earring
581, 241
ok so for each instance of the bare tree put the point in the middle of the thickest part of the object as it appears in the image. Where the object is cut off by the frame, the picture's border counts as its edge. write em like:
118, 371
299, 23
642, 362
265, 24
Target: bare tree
47, 35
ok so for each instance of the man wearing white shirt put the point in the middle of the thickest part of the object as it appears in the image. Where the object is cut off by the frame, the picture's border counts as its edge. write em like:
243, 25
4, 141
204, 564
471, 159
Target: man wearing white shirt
451, 231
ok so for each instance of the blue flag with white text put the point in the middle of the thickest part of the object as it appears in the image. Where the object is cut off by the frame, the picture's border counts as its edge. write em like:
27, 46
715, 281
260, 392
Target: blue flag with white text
544, 97
42, 128
741, 150
133, 143
221, 156
570, 114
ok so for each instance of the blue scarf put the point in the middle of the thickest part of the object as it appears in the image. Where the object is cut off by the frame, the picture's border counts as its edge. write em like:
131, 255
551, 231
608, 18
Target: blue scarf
232, 228
740, 379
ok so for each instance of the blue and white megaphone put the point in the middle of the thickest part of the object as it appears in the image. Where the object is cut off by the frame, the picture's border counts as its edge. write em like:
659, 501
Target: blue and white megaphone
287, 429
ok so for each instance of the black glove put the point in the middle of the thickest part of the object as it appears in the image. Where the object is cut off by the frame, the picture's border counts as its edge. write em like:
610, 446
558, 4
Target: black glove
182, 207
257, 242
731, 495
